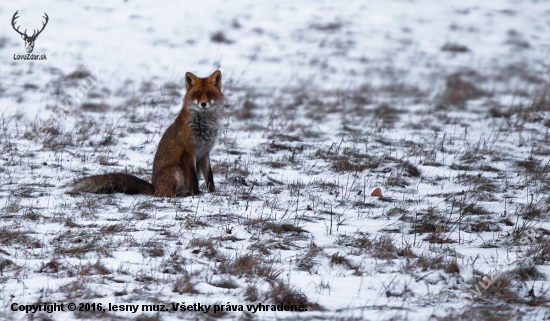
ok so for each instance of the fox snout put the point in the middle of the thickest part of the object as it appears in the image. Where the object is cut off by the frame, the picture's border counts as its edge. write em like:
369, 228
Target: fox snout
204, 103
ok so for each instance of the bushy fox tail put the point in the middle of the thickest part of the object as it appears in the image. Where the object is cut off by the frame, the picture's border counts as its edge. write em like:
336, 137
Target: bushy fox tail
114, 183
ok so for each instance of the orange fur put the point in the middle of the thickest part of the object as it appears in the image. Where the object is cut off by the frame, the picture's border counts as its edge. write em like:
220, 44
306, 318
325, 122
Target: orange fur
183, 150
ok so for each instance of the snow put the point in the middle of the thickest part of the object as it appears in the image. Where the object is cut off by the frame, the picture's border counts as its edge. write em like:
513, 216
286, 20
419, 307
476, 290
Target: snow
318, 74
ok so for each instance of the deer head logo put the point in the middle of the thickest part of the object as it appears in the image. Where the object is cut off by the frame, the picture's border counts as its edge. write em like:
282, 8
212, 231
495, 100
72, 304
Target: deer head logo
29, 40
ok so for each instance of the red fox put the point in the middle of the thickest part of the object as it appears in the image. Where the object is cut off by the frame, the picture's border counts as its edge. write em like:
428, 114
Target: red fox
183, 150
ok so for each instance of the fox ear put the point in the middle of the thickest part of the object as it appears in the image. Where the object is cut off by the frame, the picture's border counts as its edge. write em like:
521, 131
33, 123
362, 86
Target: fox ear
190, 80
216, 79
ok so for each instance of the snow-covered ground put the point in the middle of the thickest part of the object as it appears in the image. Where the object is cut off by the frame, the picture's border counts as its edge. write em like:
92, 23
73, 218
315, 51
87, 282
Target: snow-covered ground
443, 105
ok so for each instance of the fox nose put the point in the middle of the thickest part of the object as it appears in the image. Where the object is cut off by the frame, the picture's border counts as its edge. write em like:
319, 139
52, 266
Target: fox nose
203, 104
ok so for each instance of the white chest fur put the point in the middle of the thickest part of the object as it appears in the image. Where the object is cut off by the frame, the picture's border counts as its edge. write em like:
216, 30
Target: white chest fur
206, 128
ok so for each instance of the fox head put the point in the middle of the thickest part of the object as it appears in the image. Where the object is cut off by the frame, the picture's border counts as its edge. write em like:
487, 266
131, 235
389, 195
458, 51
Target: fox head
203, 93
